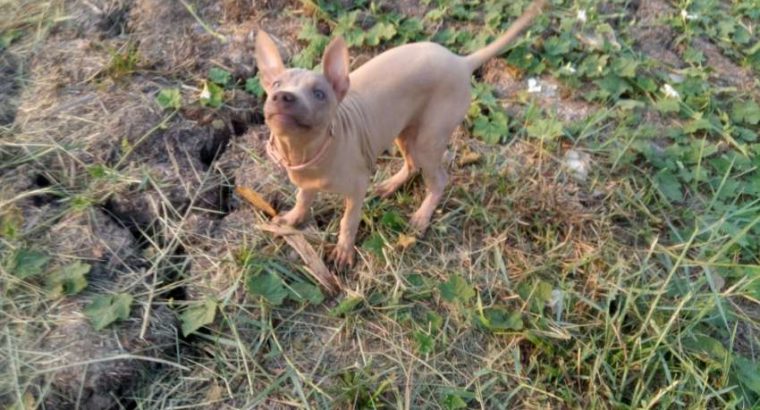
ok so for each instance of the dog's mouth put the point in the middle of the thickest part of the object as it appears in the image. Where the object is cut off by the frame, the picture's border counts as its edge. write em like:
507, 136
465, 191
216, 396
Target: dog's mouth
285, 119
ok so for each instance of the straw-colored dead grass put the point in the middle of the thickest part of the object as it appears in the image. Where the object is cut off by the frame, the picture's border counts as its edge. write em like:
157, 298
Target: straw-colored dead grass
94, 170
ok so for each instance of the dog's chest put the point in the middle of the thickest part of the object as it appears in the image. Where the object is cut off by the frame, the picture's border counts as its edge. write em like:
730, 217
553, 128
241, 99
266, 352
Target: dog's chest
319, 180
338, 175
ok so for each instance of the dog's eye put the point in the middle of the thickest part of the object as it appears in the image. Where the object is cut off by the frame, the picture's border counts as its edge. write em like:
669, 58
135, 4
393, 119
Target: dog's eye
277, 84
319, 94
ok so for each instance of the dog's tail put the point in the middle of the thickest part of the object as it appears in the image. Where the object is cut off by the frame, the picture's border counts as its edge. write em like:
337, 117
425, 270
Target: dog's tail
479, 57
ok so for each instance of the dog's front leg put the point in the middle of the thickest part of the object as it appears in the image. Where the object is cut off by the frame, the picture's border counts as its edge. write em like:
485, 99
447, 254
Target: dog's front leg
343, 254
304, 198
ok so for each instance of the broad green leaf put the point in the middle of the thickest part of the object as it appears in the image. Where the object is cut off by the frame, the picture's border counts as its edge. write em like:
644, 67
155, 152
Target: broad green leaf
494, 14
669, 185
435, 15
106, 309
8, 37
476, 43
455, 398
28, 263
456, 289
625, 67
10, 227
253, 86
557, 46
484, 96
379, 32
742, 36
543, 292
747, 112
69, 280
461, 12
666, 105
453, 402
697, 124
169, 98
646, 83
693, 56
425, 342
306, 292
197, 316
536, 293
434, 321
447, 36
747, 373
545, 129
491, 129
629, 105
219, 76
416, 280
267, 285
350, 29
309, 32
498, 319
411, 29
97, 171
346, 305
316, 44
374, 244
211, 95
311, 53
393, 220
612, 86
522, 58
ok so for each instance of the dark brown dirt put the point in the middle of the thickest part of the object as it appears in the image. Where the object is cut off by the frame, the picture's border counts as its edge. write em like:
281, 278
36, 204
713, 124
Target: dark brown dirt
10, 86
76, 360
185, 169
87, 373
653, 37
82, 110
725, 71
554, 96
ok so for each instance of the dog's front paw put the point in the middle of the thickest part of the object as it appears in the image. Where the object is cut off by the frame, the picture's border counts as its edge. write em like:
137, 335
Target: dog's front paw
343, 256
419, 222
290, 218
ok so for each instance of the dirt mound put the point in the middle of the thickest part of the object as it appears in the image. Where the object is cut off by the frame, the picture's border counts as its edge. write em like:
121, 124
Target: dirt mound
551, 94
98, 370
652, 35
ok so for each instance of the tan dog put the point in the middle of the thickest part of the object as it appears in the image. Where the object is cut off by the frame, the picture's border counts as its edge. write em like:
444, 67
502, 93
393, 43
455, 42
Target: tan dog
329, 128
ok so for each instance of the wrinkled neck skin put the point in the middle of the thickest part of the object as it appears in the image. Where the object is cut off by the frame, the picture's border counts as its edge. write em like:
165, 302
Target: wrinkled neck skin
299, 149
350, 122
353, 123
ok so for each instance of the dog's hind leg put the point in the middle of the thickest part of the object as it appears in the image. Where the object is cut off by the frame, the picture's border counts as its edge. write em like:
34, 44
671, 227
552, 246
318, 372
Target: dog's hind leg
428, 148
393, 183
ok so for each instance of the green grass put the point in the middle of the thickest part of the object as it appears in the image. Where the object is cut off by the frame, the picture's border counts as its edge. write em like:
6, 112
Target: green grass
632, 283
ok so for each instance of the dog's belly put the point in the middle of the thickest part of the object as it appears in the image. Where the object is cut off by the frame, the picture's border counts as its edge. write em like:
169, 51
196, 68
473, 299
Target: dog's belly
401, 85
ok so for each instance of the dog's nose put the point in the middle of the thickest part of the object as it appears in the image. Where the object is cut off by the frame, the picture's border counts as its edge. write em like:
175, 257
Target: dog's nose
284, 97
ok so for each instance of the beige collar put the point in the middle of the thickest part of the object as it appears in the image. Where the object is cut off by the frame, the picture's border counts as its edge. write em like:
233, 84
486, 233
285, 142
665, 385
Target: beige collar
277, 157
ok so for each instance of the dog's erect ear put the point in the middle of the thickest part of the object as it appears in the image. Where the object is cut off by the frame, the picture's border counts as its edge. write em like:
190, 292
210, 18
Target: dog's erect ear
268, 60
335, 66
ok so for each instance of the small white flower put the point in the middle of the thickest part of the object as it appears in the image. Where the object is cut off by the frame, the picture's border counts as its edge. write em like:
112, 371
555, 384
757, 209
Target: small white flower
568, 68
533, 86
688, 16
669, 91
206, 93
556, 304
578, 163
581, 16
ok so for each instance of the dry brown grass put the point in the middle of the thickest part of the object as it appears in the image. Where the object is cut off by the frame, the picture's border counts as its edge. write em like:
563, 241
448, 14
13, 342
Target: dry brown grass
608, 294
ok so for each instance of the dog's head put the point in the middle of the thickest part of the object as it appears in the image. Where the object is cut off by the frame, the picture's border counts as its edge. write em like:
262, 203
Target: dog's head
301, 103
